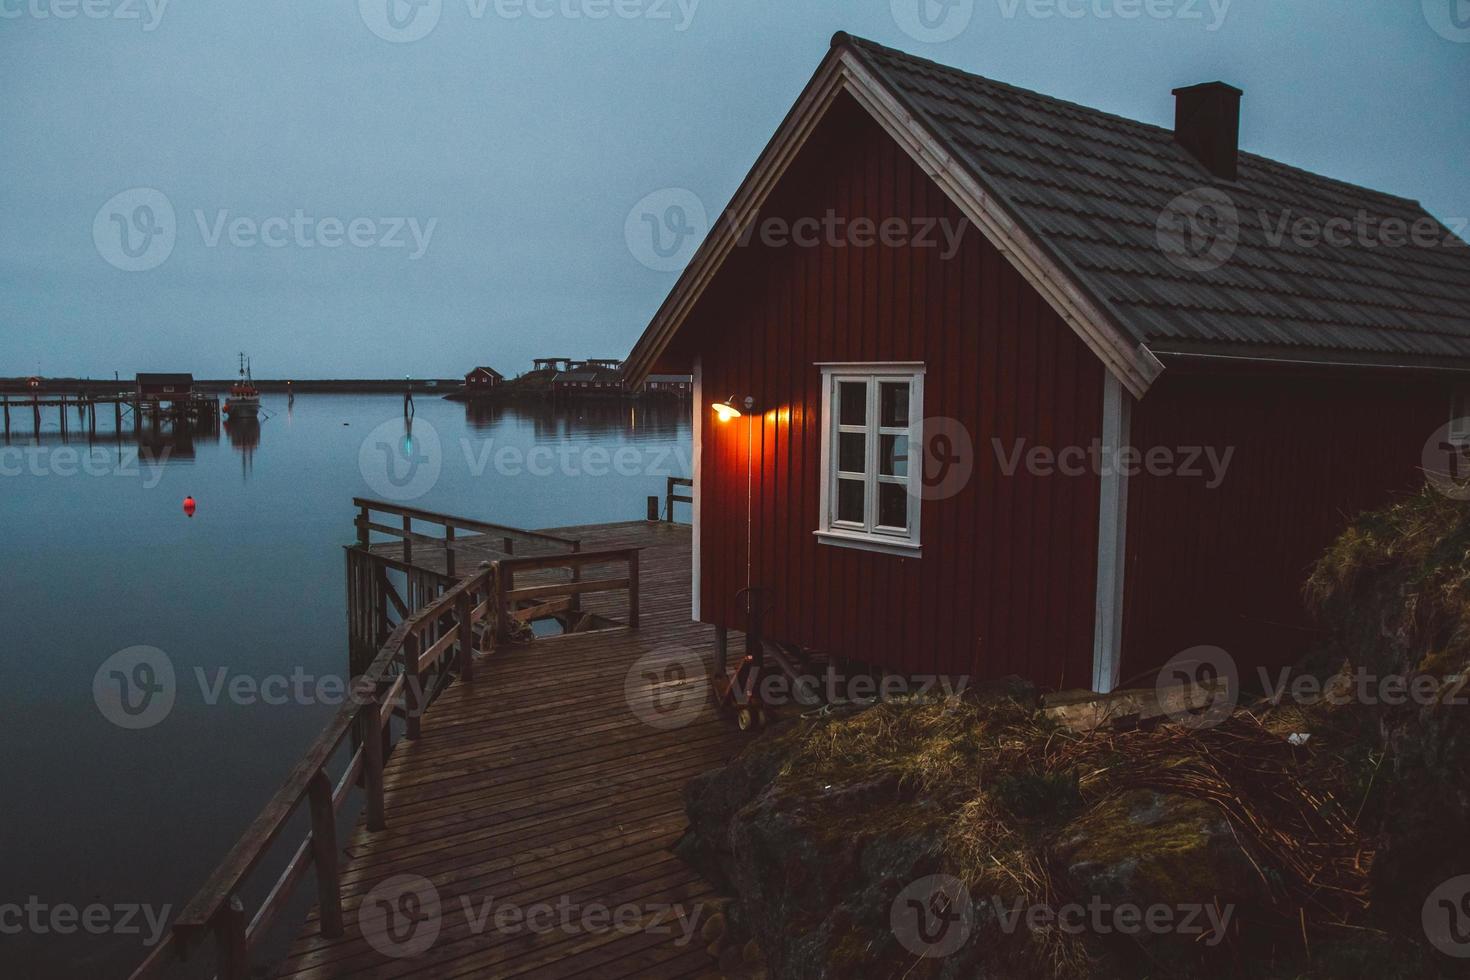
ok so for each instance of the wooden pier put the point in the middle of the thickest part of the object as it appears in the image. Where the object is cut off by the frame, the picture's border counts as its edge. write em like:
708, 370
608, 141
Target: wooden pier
198, 412
525, 775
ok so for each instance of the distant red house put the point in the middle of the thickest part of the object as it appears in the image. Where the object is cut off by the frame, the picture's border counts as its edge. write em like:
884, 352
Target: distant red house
483, 379
33, 382
1078, 438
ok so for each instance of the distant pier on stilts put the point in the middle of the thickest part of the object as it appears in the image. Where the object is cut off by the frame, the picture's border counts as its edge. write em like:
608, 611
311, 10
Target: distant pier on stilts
156, 402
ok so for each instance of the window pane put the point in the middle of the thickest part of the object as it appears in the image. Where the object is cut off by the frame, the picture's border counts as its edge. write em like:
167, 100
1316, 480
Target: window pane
852, 452
893, 455
850, 501
893, 505
895, 404
852, 397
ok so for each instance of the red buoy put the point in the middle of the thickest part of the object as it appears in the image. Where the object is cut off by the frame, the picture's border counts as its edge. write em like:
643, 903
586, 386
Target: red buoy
189, 506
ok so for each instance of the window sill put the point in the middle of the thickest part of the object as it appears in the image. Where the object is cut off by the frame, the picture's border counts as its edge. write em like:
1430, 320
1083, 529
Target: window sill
866, 542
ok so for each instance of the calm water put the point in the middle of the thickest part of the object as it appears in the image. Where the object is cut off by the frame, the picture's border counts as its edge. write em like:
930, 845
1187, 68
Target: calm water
99, 557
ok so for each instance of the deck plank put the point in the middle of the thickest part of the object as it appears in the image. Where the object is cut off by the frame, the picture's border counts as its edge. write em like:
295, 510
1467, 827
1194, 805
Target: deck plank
536, 785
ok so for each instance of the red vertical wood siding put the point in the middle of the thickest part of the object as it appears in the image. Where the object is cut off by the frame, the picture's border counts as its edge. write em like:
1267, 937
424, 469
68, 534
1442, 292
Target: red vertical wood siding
1225, 567
1006, 580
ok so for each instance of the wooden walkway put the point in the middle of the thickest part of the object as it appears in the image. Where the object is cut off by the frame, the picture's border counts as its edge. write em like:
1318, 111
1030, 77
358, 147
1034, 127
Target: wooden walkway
536, 796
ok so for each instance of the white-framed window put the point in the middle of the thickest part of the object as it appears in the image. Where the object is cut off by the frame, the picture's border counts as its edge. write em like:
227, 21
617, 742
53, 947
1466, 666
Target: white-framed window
872, 440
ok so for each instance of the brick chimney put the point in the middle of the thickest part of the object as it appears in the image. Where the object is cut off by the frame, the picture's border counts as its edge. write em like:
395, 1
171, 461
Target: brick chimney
1207, 124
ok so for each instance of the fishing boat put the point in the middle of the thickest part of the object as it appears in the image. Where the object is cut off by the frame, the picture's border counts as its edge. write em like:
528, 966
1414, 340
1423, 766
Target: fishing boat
244, 400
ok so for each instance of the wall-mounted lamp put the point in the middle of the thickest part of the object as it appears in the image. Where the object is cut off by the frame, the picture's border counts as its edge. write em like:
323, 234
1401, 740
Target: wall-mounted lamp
727, 410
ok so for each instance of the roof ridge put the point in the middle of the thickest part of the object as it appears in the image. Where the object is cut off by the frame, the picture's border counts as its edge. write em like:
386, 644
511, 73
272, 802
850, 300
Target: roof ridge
842, 37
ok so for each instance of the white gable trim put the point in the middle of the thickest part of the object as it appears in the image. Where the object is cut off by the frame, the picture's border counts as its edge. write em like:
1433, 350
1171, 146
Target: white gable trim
844, 71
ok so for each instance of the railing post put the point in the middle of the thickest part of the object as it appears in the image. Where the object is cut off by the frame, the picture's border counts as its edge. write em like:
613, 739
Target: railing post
232, 953
449, 549
407, 541
653, 508
324, 853
371, 719
363, 519
576, 599
633, 589
463, 607
413, 686
669, 500
502, 619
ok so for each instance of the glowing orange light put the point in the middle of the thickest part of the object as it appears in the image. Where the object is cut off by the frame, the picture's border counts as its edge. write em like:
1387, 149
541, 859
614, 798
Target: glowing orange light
724, 411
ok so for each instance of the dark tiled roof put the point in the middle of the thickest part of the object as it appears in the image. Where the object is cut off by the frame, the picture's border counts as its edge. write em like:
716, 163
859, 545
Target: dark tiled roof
1092, 186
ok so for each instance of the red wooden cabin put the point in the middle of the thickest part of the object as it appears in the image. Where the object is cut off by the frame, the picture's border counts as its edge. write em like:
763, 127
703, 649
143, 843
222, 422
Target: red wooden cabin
483, 379
988, 453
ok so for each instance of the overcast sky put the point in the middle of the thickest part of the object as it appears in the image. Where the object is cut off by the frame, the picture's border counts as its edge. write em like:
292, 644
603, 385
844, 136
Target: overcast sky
477, 180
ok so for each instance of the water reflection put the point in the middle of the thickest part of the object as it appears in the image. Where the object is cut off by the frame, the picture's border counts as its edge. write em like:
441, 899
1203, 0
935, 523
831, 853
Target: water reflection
244, 436
549, 422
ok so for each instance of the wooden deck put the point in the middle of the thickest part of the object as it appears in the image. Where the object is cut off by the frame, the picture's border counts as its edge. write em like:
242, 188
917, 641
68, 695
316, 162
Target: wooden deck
537, 785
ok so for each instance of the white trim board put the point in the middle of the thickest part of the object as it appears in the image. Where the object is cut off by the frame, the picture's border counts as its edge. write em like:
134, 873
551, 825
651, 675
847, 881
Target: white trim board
698, 472
1112, 541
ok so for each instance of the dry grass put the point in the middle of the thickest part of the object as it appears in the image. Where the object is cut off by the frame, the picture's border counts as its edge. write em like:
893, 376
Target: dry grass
1009, 780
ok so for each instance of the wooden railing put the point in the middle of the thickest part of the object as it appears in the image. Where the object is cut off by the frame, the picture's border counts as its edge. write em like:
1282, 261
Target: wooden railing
428, 648
545, 599
671, 497
448, 540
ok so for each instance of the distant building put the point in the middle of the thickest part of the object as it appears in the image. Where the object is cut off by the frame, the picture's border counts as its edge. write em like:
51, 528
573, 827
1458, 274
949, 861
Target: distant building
483, 379
165, 387
33, 382
551, 364
681, 385
588, 381
605, 363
